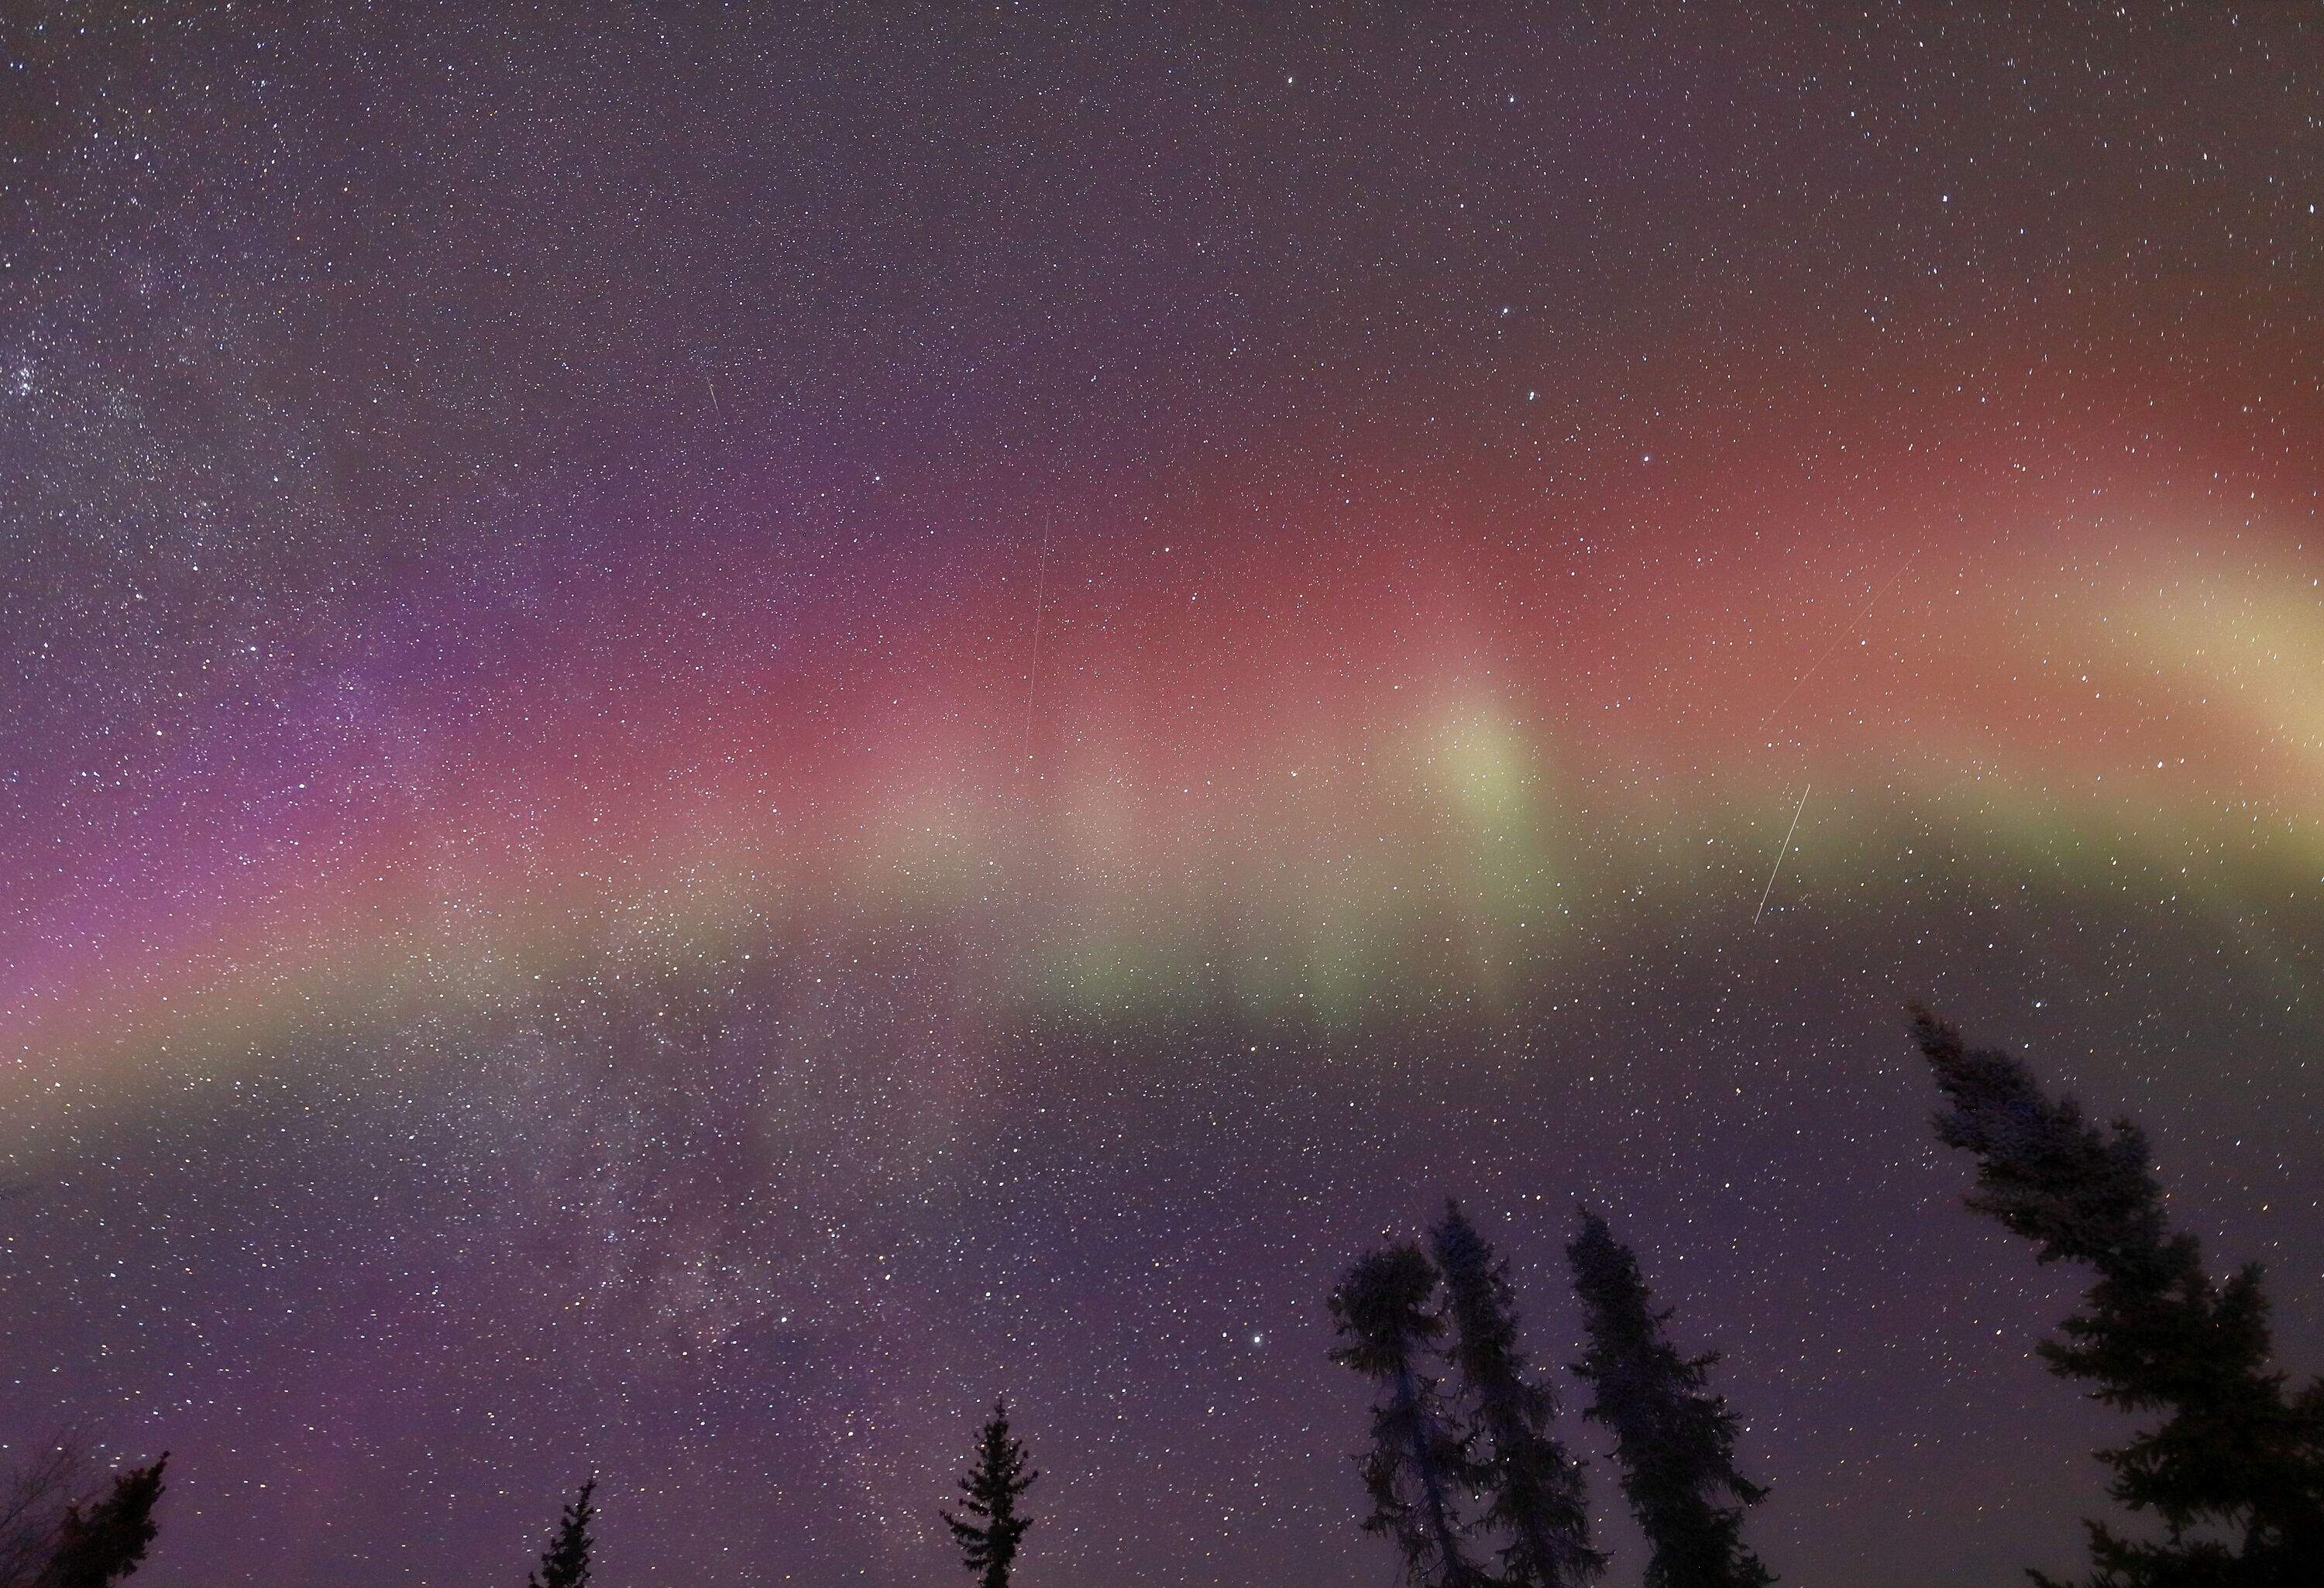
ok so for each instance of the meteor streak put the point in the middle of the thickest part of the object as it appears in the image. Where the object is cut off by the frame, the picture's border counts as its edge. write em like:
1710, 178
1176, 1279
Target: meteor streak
1780, 852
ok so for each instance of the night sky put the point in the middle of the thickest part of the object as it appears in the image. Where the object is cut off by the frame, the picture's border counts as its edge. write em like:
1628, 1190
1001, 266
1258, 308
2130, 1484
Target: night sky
719, 730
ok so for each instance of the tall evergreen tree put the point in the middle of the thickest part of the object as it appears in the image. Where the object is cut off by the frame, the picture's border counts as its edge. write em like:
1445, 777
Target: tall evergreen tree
566, 1563
1418, 1465
2154, 1334
1539, 1499
1673, 1437
106, 1542
989, 1536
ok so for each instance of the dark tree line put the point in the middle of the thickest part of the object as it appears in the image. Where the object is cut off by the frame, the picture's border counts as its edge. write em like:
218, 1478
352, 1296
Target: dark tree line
53, 1537
1464, 1472
1465, 1478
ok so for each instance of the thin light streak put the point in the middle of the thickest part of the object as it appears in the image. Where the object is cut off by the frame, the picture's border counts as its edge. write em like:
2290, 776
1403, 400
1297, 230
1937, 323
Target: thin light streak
1780, 852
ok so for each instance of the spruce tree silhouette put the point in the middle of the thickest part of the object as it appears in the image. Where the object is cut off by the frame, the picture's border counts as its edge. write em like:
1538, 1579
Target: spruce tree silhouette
989, 1537
1538, 1496
2154, 1334
108, 1542
1673, 1437
1418, 1464
566, 1563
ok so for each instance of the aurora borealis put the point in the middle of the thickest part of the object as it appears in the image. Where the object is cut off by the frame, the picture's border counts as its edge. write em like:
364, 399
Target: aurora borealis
723, 729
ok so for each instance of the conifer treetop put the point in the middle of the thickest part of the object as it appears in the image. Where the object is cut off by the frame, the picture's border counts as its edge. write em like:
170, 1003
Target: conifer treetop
2154, 1334
1417, 1463
108, 1542
566, 1563
1537, 1497
989, 1534
1674, 1436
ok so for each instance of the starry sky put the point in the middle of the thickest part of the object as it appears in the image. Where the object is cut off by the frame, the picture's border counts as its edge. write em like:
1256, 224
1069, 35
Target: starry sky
721, 727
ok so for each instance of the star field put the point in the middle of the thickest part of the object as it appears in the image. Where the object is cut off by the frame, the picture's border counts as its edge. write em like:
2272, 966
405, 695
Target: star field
722, 728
